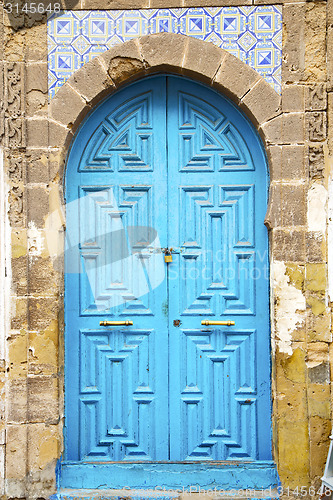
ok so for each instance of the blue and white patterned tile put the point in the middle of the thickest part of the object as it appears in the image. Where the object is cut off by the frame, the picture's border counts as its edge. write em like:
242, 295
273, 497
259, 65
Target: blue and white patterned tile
251, 33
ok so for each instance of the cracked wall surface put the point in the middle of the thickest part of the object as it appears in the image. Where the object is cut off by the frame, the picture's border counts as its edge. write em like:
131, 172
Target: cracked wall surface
298, 137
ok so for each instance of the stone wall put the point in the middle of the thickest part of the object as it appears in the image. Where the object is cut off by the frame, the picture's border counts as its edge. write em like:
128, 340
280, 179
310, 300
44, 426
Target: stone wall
298, 137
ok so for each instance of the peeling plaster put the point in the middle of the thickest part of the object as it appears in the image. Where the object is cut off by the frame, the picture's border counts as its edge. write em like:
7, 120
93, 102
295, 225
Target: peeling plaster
35, 240
317, 199
288, 302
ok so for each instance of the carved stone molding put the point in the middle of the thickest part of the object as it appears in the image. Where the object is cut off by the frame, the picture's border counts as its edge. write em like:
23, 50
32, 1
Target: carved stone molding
316, 98
14, 130
316, 122
15, 171
316, 162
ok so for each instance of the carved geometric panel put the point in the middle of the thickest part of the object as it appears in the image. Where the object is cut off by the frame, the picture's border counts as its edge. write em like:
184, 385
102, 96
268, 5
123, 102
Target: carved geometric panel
218, 258
116, 399
208, 142
123, 141
218, 394
113, 280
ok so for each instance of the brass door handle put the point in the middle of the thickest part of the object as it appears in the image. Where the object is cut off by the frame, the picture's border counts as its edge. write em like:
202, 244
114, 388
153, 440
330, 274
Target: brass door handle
115, 323
224, 323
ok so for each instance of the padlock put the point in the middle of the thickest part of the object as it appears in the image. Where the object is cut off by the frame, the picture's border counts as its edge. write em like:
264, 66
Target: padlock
167, 256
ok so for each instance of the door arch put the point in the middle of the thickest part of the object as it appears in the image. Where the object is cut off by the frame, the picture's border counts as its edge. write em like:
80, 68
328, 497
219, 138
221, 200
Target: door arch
167, 163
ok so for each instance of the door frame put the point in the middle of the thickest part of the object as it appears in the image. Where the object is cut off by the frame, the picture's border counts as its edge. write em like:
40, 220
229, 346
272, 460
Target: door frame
65, 126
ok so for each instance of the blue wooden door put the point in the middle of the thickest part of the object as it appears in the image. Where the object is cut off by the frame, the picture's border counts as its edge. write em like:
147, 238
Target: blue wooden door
166, 163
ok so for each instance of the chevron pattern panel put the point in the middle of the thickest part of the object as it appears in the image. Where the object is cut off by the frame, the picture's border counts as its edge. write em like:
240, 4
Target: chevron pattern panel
251, 33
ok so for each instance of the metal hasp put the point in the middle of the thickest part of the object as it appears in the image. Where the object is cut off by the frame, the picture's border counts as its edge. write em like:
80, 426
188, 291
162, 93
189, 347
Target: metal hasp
115, 323
223, 323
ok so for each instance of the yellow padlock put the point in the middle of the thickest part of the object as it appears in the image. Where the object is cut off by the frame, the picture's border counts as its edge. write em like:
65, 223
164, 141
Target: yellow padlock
167, 256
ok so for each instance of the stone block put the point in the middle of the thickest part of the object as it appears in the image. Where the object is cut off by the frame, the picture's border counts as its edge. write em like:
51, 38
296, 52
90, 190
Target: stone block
320, 374
293, 128
293, 167
67, 106
274, 154
202, 59
294, 45
319, 327
59, 135
19, 275
292, 404
19, 243
17, 349
261, 102
16, 457
37, 132
235, 78
36, 88
44, 448
293, 452
289, 245
36, 77
43, 279
127, 50
37, 206
316, 302
293, 98
274, 213
163, 50
315, 41
37, 166
91, 80
124, 61
284, 129
36, 104
319, 398
316, 277
19, 313
42, 312
293, 367
319, 431
329, 57
43, 351
35, 39
17, 397
43, 399
293, 205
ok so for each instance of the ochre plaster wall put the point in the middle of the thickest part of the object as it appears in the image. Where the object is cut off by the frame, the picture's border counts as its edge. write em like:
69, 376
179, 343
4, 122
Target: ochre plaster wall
297, 134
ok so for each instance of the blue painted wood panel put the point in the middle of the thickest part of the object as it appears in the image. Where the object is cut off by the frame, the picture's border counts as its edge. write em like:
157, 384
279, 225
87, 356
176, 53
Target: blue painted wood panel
116, 379
166, 162
217, 188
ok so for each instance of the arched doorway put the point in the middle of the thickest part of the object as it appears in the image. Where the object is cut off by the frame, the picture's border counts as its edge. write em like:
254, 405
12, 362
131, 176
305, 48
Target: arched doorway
167, 163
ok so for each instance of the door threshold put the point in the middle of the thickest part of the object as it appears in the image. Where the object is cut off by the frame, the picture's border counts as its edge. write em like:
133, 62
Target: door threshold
226, 476
184, 494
